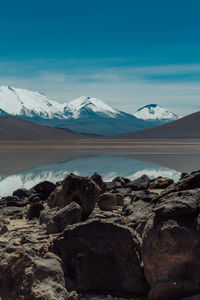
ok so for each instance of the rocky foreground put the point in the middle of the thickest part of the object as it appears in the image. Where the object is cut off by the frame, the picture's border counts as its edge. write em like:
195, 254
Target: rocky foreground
83, 238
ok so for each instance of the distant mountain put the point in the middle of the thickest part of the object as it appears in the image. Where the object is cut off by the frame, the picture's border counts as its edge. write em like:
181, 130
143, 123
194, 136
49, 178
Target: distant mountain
15, 128
85, 114
184, 128
156, 114
29, 105
3, 113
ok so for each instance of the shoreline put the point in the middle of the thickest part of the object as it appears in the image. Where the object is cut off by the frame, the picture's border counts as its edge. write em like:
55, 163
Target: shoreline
106, 145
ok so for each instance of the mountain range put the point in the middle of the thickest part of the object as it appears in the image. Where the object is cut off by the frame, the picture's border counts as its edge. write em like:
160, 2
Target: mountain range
85, 114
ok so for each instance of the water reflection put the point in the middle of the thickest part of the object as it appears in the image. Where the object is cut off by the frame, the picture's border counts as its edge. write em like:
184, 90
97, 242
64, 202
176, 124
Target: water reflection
108, 166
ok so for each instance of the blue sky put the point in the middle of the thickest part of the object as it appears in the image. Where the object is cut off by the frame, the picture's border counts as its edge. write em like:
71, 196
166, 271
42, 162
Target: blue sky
127, 53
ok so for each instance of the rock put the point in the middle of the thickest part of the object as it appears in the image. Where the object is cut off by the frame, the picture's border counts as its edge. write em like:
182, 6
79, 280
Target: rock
101, 256
124, 191
33, 198
44, 189
24, 277
141, 183
79, 189
68, 215
107, 201
15, 201
178, 203
120, 199
34, 210
161, 182
137, 214
99, 181
121, 180
73, 296
188, 182
170, 247
145, 196
22, 193
4, 229
113, 185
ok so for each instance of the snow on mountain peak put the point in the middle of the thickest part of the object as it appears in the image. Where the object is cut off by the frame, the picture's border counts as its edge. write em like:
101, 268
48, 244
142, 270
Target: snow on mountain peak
91, 104
155, 112
22, 102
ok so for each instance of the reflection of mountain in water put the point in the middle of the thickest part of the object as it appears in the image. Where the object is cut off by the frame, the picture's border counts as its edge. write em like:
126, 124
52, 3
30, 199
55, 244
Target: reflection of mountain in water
108, 166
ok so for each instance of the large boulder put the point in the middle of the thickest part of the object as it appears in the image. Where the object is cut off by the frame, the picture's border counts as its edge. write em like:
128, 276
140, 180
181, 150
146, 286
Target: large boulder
139, 184
68, 215
170, 248
101, 256
79, 189
107, 201
34, 210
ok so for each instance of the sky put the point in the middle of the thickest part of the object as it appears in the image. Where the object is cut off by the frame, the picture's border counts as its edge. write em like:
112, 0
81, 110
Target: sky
127, 53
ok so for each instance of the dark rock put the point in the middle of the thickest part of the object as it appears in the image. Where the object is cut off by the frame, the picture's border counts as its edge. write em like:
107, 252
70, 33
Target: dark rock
137, 214
22, 193
178, 203
15, 201
188, 182
141, 183
4, 229
161, 182
44, 189
170, 248
107, 201
113, 185
68, 215
34, 198
121, 180
99, 181
145, 196
34, 210
79, 189
124, 191
120, 199
101, 256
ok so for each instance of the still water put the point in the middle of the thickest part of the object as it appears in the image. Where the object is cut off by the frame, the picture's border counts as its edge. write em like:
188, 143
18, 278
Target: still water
108, 165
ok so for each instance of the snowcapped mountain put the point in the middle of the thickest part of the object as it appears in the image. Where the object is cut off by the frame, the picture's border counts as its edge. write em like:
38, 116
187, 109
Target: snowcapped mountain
156, 113
85, 106
85, 114
28, 104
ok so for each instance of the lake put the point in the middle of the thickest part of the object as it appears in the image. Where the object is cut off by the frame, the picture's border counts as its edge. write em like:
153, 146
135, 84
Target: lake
24, 170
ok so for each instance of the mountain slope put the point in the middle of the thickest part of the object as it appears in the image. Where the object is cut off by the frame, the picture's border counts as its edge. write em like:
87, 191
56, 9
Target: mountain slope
184, 128
15, 128
85, 114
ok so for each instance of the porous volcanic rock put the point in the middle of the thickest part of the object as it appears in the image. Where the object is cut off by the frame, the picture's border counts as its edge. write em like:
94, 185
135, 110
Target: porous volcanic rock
100, 256
170, 248
79, 189
34, 210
